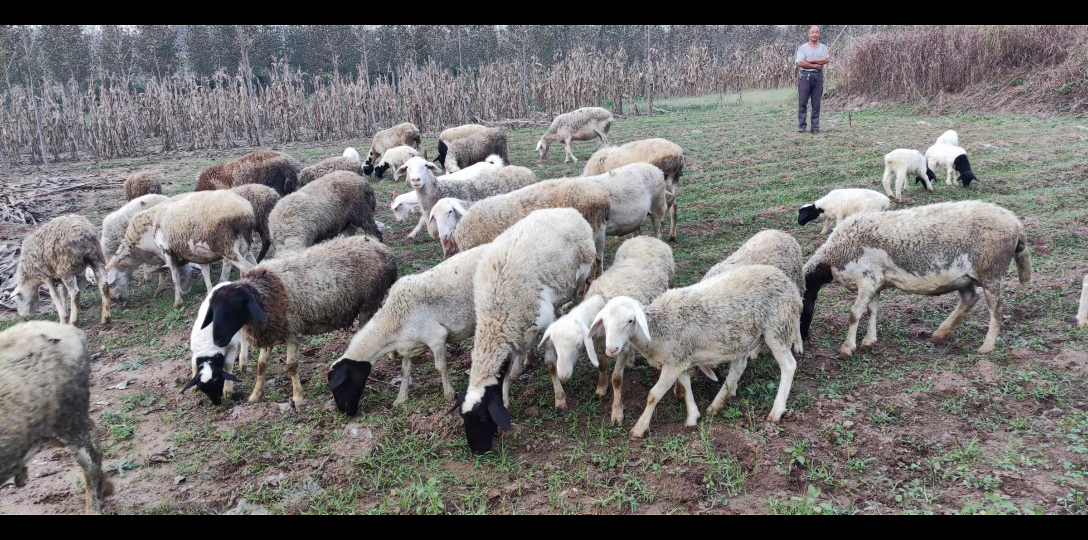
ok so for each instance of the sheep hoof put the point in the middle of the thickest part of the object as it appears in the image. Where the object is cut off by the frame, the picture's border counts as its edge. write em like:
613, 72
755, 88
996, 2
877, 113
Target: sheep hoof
253, 398
712, 410
400, 400
1082, 322
107, 487
617, 418
938, 339
868, 344
297, 402
985, 349
635, 435
775, 418
846, 352
561, 404
601, 392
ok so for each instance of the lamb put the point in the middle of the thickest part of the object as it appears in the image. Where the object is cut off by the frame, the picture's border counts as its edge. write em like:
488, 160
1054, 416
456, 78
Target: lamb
142, 183
904, 163
579, 125
1082, 313
953, 160
643, 269
722, 319
115, 224
330, 165
523, 276
351, 153
395, 157
263, 199
661, 153
966, 244
444, 217
949, 137
276, 170
318, 290
422, 312
489, 217
404, 205
204, 227
44, 400
406, 134
54, 255
475, 148
493, 162
840, 204
213, 365
452, 134
337, 202
429, 188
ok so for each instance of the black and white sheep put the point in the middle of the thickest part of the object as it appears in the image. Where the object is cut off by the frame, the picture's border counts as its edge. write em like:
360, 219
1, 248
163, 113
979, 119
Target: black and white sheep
840, 204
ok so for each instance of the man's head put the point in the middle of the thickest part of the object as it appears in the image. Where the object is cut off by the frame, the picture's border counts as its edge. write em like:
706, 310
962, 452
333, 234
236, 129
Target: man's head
814, 33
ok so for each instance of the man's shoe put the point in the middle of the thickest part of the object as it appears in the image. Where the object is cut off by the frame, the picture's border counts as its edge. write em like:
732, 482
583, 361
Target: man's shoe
800, 130
815, 132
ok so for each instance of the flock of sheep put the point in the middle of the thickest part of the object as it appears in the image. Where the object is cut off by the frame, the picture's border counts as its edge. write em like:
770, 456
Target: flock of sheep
520, 252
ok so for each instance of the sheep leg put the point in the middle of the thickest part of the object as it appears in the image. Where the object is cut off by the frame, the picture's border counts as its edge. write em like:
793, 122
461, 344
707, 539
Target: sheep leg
438, 349
870, 336
672, 221
866, 293
968, 298
729, 389
569, 154
950, 173
243, 259
516, 365
72, 285
224, 273
669, 374
604, 138
90, 460
557, 385
419, 227
827, 225
405, 377
262, 368
900, 180
617, 385
997, 308
243, 355
689, 400
206, 271
887, 181
104, 292
1082, 313
602, 374
600, 250
786, 365
58, 301
292, 370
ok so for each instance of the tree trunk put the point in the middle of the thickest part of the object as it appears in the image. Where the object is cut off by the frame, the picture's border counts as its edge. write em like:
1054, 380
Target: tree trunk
247, 72
461, 65
649, 77
34, 101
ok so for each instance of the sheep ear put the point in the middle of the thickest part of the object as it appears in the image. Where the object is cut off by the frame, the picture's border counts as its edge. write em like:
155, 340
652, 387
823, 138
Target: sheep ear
400, 170
598, 322
708, 372
230, 377
188, 385
111, 276
256, 311
591, 349
547, 334
207, 317
460, 209
457, 403
336, 378
498, 412
640, 316
434, 168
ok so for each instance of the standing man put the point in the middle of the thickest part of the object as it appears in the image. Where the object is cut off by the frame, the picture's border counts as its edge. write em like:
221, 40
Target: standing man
811, 59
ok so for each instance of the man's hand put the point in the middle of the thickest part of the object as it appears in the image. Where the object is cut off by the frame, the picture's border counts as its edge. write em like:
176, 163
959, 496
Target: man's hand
821, 61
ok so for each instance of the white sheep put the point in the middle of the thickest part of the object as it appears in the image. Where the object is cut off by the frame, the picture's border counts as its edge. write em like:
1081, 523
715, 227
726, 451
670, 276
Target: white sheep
351, 154
54, 255
44, 400
394, 158
931, 250
323, 288
444, 217
643, 269
115, 224
722, 319
529, 271
661, 153
490, 163
213, 366
905, 163
953, 161
583, 124
634, 191
423, 312
404, 205
949, 137
840, 204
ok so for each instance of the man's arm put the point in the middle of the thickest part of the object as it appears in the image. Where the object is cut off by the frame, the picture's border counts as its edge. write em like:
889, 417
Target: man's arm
808, 64
820, 61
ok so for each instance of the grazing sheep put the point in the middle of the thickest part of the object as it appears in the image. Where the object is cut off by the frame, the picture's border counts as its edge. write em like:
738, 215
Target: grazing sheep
492, 163
953, 160
1082, 313
138, 248
643, 269
444, 217
44, 400
276, 170
311, 292
422, 312
351, 153
949, 137
395, 157
452, 134
661, 153
115, 224
263, 199
722, 319
142, 183
204, 227
329, 165
965, 244
583, 124
406, 134
489, 217
523, 277
429, 188
54, 255
904, 163
404, 205
840, 204
213, 366
337, 202
634, 191
475, 148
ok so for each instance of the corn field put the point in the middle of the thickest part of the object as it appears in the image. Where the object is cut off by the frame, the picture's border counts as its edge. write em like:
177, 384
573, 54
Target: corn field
122, 118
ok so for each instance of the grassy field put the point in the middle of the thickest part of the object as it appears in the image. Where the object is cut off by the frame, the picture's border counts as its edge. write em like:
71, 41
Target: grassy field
906, 427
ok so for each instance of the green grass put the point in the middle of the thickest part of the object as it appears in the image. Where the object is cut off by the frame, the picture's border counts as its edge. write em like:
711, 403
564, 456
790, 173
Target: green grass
928, 433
